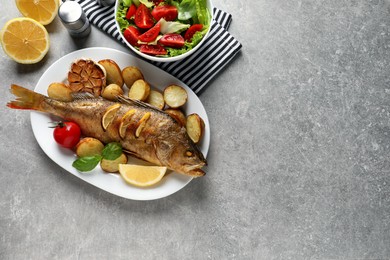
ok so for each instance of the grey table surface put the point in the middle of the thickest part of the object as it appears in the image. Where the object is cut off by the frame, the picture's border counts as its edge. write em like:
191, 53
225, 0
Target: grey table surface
299, 164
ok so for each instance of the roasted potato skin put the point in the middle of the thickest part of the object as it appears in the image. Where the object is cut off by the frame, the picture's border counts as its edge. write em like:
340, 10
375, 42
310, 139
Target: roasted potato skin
175, 96
195, 127
131, 74
59, 91
113, 72
89, 146
178, 115
140, 90
112, 166
156, 99
112, 91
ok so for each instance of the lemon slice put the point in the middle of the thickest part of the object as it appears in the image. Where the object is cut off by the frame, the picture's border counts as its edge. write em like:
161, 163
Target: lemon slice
42, 11
125, 122
109, 115
141, 124
142, 176
25, 40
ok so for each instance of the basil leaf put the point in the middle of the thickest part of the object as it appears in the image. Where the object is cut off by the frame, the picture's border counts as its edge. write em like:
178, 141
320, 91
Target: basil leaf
87, 163
112, 151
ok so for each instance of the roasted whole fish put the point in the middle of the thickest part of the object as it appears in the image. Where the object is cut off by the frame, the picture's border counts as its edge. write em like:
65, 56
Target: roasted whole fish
160, 140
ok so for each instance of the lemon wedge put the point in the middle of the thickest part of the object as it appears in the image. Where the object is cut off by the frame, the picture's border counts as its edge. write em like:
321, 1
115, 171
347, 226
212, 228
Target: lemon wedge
142, 123
125, 122
109, 115
142, 176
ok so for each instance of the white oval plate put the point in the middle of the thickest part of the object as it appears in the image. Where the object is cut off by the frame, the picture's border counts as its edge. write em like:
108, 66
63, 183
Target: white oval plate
113, 183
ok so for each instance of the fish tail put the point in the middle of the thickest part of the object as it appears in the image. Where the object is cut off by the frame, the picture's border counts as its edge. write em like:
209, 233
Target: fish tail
25, 99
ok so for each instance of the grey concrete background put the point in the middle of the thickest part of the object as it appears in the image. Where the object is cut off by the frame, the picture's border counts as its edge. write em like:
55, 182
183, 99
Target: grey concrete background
299, 163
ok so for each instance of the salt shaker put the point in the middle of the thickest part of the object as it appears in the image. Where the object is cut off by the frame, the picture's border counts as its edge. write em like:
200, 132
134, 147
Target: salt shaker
105, 2
74, 19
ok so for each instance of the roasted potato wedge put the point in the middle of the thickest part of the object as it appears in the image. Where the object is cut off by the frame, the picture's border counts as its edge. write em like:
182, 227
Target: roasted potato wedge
139, 90
112, 91
112, 166
59, 91
156, 99
131, 74
178, 115
89, 146
195, 127
175, 96
114, 73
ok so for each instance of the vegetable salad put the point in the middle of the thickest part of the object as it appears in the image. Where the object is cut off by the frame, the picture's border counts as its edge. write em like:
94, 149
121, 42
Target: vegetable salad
164, 28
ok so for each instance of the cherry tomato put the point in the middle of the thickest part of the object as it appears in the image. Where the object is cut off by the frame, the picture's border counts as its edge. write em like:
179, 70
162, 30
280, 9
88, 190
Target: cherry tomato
191, 31
150, 34
173, 40
168, 12
67, 134
143, 17
131, 11
153, 49
131, 35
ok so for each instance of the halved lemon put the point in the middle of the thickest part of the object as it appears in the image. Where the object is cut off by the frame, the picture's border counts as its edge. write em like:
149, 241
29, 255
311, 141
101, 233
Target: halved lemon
125, 122
25, 40
109, 115
142, 176
42, 11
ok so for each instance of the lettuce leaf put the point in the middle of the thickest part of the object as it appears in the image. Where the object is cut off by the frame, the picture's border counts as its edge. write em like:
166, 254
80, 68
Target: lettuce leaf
121, 17
186, 10
126, 2
172, 27
202, 12
147, 3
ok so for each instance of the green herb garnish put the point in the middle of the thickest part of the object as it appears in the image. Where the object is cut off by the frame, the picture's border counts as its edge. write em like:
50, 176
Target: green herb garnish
87, 163
110, 152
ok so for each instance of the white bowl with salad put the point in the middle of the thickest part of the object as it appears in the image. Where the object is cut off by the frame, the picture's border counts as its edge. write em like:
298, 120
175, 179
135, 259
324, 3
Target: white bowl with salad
163, 30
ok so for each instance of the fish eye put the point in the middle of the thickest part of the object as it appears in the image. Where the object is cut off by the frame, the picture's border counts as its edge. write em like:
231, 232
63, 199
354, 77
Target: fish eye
189, 153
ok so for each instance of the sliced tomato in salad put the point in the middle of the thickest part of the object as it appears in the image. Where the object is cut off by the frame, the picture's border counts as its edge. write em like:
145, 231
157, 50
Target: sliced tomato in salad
191, 31
153, 49
151, 34
131, 35
168, 12
131, 11
173, 40
143, 17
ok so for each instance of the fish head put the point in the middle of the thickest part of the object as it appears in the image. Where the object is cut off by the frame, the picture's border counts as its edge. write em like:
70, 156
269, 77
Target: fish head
187, 158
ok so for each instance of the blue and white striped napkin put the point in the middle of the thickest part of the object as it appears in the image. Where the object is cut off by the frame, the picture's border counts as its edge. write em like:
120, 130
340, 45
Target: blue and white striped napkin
196, 70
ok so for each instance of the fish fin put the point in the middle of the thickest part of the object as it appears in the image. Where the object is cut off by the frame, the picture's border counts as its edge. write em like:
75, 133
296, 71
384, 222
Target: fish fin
25, 98
134, 154
83, 96
139, 103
